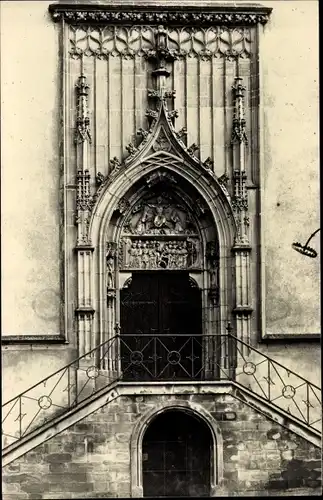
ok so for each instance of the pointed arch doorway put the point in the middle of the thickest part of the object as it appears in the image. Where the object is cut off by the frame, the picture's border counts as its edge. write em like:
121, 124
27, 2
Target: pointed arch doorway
161, 326
176, 453
163, 282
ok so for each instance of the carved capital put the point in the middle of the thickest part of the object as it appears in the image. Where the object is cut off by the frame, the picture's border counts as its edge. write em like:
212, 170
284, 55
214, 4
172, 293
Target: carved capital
244, 311
171, 94
84, 312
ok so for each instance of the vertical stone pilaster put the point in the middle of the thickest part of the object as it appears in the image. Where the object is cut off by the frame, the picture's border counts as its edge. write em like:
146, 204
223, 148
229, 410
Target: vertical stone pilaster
242, 248
84, 249
84, 311
110, 358
243, 309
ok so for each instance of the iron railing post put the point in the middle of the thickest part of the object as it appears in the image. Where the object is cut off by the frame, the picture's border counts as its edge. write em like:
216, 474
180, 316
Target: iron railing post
308, 403
232, 354
20, 413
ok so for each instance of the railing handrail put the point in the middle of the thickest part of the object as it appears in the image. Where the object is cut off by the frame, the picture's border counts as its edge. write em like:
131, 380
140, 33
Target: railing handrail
106, 342
274, 361
140, 361
61, 369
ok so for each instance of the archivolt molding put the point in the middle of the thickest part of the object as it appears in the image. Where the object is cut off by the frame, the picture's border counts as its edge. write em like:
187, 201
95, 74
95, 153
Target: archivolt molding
113, 197
181, 405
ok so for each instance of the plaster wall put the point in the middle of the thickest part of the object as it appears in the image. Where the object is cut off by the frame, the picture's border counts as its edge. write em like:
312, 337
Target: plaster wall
30, 170
290, 176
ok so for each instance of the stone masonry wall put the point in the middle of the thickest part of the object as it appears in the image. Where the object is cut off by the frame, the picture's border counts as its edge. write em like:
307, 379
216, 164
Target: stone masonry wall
91, 459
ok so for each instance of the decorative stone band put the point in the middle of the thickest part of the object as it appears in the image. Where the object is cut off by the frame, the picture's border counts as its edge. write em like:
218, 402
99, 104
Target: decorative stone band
243, 310
84, 248
82, 311
241, 247
171, 15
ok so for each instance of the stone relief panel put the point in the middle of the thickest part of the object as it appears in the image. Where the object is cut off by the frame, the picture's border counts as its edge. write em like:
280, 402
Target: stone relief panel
176, 254
159, 233
159, 216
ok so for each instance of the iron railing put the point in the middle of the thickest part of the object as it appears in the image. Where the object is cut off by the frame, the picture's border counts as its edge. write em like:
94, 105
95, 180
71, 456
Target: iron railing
278, 385
161, 358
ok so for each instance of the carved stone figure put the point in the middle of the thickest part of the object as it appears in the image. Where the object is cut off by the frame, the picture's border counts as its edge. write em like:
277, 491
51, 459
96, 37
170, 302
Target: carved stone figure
160, 220
141, 226
159, 216
155, 254
110, 256
100, 178
177, 221
162, 143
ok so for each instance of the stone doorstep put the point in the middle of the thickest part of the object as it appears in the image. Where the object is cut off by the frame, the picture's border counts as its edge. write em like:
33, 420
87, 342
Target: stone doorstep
105, 396
291, 492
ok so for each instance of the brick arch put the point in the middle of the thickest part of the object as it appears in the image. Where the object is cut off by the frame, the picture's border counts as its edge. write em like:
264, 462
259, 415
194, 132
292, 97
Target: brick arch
141, 426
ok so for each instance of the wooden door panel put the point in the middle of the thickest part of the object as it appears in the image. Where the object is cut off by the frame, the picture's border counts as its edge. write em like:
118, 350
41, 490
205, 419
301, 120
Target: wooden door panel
162, 304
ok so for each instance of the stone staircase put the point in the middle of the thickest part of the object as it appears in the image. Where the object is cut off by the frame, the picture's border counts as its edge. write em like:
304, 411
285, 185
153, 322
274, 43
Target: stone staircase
95, 379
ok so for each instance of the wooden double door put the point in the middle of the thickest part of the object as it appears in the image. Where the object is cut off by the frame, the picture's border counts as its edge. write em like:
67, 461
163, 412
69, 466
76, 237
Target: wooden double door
160, 319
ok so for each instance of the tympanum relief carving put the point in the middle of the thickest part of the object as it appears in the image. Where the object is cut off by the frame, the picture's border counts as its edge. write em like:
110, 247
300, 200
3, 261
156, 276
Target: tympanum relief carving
155, 254
159, 234
159, 215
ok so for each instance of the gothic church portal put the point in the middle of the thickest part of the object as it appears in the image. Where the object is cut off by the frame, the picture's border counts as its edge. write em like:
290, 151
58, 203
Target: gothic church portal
167, 389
